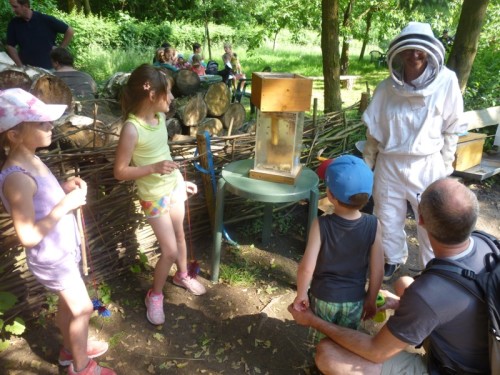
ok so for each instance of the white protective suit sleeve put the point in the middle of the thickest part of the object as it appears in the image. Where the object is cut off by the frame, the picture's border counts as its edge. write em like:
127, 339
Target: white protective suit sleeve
370, 150
453, 125
448, 151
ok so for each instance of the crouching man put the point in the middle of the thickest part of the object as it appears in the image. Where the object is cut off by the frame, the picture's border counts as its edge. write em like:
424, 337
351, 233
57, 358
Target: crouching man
453, 321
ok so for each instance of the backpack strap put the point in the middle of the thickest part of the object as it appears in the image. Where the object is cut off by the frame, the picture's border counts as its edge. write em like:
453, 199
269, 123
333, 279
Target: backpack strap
453, 271
492, 241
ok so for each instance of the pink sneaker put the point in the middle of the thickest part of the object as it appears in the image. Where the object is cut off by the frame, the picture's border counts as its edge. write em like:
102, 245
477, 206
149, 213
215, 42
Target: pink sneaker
190, 283
91, 369
154, 308
94, 349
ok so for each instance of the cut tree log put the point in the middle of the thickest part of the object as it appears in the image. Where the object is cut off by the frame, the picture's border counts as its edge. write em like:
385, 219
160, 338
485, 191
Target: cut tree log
234, 117
174, 127
83, 132
53, 90
114, 85
11, 78
217, 99
172, 110
187, 83
212, 125
192, 110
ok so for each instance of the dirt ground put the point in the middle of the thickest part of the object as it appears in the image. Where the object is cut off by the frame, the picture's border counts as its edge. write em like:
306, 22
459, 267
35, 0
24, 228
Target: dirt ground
231, 329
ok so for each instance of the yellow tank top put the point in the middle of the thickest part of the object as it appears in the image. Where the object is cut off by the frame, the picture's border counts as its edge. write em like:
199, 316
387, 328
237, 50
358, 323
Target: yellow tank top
152, 147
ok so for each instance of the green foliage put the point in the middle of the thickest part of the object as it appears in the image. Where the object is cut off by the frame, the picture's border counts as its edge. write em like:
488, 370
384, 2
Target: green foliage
102, 64
481, 90
7, 301
116, 339
16, 327
239, 273
50, 307
104, 293
142, 263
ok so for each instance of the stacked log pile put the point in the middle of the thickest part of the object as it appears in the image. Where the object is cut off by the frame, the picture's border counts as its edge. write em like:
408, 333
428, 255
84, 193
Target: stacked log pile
198, 106
115, 228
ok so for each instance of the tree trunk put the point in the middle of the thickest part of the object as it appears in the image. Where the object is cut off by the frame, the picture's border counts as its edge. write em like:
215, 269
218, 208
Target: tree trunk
330, 50
86, 7
366, 37
192, 110
71, 5
217, 99
207, 35
234, 117
466, 41
344, 58
275, 38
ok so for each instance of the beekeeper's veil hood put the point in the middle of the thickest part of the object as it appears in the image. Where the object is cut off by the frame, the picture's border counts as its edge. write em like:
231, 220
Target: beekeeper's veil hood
416, 35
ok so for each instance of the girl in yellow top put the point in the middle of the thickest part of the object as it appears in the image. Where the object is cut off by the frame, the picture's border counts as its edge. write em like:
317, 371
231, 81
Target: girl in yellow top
143, 155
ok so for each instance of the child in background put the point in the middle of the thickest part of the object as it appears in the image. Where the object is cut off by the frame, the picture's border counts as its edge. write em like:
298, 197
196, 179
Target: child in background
197, 67
235, 66
164, 59
196, 51
42, 213
235, 62
143, 155
181, 63
342, 247
226, 73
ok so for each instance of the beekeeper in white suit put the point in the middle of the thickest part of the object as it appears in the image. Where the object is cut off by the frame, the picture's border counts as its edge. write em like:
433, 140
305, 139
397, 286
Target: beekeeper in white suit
413, 122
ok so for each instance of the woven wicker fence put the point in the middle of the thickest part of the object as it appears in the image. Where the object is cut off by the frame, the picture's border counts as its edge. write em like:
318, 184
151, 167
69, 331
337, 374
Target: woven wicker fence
116, 231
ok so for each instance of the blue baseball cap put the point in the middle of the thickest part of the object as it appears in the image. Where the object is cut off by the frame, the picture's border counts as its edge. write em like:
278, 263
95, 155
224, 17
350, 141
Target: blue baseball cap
348, 175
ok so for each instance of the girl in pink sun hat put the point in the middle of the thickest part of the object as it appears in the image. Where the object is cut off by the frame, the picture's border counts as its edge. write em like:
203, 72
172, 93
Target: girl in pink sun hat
42, 213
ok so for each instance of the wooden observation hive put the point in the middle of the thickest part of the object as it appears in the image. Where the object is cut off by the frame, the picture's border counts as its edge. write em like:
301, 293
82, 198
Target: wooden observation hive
281, 99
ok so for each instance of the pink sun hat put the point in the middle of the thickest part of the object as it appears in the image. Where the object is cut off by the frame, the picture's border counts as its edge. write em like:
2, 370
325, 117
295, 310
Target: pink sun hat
17, 105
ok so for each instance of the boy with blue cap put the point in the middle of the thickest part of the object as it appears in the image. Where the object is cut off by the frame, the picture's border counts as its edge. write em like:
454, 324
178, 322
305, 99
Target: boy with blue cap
342, 247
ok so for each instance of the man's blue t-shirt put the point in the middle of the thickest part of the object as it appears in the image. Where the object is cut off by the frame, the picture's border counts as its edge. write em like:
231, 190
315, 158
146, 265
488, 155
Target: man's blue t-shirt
35, 38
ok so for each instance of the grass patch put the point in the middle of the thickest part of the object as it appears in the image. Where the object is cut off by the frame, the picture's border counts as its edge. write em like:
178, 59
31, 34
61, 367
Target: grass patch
239, 273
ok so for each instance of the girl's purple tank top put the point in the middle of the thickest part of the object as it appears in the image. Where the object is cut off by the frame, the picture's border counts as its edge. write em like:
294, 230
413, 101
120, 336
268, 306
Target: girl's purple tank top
64, 237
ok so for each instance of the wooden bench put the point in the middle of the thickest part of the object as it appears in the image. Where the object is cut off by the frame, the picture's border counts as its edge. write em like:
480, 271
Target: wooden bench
345, 81
490, 163
348, 81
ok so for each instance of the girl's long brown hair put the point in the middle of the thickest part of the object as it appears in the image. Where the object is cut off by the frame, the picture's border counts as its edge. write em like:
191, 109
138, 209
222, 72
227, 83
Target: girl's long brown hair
142, 81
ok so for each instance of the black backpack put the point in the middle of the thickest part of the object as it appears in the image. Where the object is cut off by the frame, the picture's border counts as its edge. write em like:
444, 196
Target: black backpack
212, 67
485, 287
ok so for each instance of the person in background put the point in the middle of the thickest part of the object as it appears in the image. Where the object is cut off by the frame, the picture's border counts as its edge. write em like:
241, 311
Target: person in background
164, 59
412, 122
81, 84
227, 73
450, 321
238, 74
196, 51
447, 40
197, 67
341, 249
42, 212
143, 155
161, 48
34, 33
182, 63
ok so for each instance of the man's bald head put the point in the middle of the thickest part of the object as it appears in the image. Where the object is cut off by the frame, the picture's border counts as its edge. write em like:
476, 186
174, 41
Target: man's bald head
449, 211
